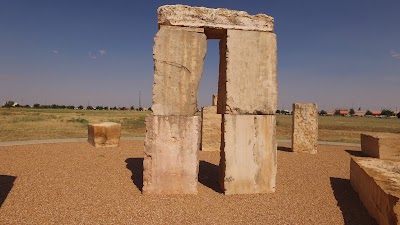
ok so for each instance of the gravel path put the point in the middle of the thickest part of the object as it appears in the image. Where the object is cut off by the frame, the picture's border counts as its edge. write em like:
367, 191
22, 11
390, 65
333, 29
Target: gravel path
74, 183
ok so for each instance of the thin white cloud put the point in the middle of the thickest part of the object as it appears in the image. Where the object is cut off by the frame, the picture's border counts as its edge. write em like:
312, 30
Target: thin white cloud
395, 54
97, 54
55, 51
92, 55
102, 52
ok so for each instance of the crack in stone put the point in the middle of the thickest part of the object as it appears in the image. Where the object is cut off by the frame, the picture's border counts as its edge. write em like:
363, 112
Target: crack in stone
175, 64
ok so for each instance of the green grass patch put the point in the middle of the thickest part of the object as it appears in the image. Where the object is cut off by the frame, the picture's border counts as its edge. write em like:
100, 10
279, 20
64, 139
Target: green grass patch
78, 120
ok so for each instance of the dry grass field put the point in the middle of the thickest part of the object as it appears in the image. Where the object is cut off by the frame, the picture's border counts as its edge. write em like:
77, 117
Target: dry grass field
342, 129
40, 124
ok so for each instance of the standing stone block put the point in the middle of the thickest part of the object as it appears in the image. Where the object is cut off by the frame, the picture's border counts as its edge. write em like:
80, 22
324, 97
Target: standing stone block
305, 128
382, 145
377, 183
247, 82
171, 161
211, 129
248, 159
105, 134
179, 54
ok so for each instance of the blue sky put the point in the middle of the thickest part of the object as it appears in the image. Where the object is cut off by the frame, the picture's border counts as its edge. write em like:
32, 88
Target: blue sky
335, 53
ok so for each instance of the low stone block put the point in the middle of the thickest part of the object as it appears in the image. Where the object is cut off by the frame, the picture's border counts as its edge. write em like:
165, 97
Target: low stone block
187, 16
381, 145
171, 155
105, 134
305, 128
179, 54
248, 162
377, 183
247, 81
211, 129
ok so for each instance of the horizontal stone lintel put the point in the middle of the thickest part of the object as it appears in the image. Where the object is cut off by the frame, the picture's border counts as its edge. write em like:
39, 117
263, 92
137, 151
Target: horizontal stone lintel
183, 15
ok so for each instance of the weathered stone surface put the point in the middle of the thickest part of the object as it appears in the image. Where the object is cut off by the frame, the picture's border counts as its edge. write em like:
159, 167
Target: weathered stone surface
248, 158
381, 145
248, 84
178, 64
377, 183
215, 100
182, 15
171, 155
305, 128
211, 129
104, 134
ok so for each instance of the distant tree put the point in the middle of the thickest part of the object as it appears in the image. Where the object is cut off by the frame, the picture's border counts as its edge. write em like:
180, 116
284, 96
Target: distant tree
99, 108
8, 104
17, 105
123, 108
27, 106
368, 113
140, 108
80, 107
70, 107
150, 109
36, 105
54, 106
337, 112
359, 108
132, 108
278, 111
352, 112
387, 112
398, 115
89, 107
322, 112
114, 108
105, 107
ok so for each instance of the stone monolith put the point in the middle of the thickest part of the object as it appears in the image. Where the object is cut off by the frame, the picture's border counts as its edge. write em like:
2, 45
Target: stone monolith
305, 128
247, 83
178, 64
171, 161
248, 162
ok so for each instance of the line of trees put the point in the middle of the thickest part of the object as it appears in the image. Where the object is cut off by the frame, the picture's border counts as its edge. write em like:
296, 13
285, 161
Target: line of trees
10, 104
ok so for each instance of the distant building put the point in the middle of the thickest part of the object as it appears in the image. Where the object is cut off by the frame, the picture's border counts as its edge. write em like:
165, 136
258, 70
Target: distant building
344, 112
376, 113
360, 113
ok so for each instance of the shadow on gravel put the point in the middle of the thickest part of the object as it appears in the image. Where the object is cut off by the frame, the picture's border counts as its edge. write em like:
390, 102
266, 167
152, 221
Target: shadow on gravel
6, 184
356, 153
135, 165
284, 149
209, 175
354, 212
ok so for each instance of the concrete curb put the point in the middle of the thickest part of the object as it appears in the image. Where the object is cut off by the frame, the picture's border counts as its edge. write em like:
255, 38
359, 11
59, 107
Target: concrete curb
52, 141
72, 140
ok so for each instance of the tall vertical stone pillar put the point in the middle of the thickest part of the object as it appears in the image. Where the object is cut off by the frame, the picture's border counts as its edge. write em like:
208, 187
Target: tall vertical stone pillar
173, 132
247, 98
305, 128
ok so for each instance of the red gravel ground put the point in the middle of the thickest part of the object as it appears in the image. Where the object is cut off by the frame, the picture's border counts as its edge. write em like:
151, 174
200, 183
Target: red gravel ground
75, 183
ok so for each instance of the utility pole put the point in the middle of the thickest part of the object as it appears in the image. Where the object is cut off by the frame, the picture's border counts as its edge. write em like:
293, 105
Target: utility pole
140, 96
